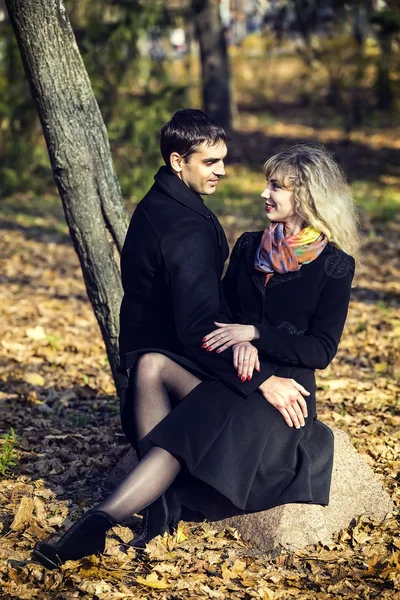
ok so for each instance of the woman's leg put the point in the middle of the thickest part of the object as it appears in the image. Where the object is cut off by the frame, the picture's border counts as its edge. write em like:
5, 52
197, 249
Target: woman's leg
157, 379
157, 376
144, 484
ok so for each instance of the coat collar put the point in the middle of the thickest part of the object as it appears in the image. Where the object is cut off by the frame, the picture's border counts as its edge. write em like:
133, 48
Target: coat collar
173, 186
179, 191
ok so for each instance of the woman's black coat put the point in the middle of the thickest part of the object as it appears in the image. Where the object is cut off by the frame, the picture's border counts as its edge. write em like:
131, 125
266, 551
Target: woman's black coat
300, 315
243, 447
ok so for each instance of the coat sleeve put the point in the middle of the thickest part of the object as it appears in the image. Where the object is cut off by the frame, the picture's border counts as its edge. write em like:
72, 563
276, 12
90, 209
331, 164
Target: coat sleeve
229, 281
317, 347
193, 275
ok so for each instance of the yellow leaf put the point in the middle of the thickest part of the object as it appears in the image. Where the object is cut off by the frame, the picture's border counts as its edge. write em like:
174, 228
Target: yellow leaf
95, 588
36, 333
248, 582
153, 582
337, 384
34, 379
180, 536
381, 367
213, 593
266, 594
23, 516
238, 567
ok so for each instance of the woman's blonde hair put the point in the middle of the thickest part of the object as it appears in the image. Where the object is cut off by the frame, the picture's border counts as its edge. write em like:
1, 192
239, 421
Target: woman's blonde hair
323, 197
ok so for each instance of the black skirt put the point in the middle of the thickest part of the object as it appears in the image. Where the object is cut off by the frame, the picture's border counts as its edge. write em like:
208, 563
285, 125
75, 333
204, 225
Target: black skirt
242, 447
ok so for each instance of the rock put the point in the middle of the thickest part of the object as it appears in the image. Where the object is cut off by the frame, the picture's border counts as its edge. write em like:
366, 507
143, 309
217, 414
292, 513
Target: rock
355, 491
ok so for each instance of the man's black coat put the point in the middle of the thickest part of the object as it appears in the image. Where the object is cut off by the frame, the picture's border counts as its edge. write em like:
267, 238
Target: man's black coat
172, 262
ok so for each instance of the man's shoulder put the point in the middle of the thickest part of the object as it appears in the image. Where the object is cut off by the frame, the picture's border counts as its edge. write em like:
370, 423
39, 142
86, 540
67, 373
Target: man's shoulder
159, 203
154, 195
162, 210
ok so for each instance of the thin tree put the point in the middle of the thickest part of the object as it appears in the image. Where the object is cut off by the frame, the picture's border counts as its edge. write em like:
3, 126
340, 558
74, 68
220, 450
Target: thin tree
79, 151
215, 68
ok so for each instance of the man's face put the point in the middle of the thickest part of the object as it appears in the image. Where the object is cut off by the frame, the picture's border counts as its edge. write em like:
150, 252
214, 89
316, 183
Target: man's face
204, 168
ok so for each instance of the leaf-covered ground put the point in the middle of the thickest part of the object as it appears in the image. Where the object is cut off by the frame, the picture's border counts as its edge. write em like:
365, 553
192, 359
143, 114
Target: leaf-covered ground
57, 394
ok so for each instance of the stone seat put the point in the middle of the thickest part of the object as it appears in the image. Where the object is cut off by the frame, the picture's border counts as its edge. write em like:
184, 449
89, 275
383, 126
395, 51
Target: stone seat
355, 491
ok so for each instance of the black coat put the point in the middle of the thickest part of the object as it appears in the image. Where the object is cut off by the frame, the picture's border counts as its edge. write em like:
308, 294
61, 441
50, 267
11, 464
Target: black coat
172, 263
243, 447
300, 315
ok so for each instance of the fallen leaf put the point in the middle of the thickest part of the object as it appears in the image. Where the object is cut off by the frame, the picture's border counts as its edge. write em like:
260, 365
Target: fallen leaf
154, 582
23, 515
36, 333
34, 379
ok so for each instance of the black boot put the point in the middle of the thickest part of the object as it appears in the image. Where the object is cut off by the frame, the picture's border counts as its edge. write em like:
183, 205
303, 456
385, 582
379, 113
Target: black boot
161, 516
87, 536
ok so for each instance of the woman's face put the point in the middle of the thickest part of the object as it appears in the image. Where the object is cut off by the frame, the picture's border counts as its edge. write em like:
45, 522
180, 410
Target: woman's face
280, 205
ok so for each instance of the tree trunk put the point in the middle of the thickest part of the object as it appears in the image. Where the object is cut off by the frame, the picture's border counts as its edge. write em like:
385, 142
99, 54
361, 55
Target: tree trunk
216, 77
79, 151
383, 85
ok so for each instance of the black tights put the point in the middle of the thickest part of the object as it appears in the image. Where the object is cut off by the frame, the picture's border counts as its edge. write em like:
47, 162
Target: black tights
158, 382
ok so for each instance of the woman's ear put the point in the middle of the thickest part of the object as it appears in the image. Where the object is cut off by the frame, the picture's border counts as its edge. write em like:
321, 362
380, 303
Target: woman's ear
176, 162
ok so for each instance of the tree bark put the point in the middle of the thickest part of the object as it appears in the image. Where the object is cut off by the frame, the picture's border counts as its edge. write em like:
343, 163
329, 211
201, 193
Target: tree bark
383, 85
215, 68
79, 151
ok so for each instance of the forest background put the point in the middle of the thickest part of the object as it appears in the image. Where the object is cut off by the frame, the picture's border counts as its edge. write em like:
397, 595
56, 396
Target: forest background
297, 71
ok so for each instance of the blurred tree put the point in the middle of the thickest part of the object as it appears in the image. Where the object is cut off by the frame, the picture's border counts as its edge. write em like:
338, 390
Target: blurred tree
215, 67
386, 24
133, 88
19, 155
333, 35
79, 151
131, 82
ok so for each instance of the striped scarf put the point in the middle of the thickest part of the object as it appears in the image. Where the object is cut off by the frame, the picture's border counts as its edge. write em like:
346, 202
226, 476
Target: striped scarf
280, 254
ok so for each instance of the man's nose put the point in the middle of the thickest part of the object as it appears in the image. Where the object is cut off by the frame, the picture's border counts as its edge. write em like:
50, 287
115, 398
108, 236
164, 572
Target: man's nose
219, 169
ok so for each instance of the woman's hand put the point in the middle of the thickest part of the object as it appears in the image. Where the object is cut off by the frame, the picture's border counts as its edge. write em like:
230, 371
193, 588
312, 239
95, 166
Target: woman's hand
245, 360
228, 335
286, 395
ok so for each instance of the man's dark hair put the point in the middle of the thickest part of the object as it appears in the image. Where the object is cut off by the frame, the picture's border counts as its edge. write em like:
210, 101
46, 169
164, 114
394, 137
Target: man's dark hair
188, 129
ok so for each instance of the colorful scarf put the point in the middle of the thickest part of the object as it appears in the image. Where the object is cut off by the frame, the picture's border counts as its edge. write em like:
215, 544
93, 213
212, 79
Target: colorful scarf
280, 254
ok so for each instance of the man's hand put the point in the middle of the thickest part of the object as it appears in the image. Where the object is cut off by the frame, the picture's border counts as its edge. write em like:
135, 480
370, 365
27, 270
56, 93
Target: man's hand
229, 334
245, 360
286, 395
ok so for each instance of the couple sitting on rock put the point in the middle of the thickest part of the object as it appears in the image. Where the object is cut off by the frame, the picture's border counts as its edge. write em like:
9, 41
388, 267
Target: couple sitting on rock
218, 376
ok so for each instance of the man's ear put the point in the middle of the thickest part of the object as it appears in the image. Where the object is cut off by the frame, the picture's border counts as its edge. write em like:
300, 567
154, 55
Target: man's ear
176, 161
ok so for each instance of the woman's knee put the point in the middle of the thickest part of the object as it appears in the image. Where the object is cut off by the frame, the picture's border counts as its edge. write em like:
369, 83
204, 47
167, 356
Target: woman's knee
151, 365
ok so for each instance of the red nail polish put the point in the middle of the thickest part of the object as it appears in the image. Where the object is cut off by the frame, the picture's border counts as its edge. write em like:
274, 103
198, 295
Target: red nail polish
204, 339
243, 379
218, 351
249, 377
204, 346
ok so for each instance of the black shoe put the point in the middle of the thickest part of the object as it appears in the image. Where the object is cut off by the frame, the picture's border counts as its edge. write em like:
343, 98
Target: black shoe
161, 516
192, 516
86, 537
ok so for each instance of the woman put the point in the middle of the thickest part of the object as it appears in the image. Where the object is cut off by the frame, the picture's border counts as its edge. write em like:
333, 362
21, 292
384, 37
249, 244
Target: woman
288, 289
